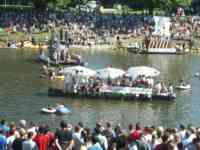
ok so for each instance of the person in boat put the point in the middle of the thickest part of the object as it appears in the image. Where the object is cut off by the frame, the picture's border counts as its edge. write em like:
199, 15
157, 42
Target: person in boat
109, 81
49, 107
171, 89
149, 82
163, 87
60, 71
9, 44
62, 56
79, 59
158, 88
51, 75
60, 105
22, 44
41, 52
45, 70
75, 82
68, 57
182, 83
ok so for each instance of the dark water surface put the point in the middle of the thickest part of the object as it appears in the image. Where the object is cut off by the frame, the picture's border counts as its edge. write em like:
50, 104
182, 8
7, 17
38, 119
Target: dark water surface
23, 93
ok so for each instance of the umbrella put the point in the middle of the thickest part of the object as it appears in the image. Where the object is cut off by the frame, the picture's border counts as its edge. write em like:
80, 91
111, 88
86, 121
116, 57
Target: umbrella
134, 72
80, 70
110, 72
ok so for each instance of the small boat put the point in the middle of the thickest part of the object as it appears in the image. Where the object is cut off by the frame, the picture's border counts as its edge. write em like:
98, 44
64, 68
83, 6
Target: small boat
197, 74
13, 46
184, 87
59, 77
48, 110
29, 44
62, 110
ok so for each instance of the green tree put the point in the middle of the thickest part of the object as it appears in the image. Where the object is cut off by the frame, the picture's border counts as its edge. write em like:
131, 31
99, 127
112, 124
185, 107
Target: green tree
171, 5
42, 4
63, 3
67, 3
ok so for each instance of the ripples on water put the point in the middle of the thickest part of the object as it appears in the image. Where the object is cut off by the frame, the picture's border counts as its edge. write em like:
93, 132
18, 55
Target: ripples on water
23, 93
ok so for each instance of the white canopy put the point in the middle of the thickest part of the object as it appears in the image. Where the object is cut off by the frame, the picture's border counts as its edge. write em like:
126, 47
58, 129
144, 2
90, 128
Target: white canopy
79, 70
134, 72
110, 72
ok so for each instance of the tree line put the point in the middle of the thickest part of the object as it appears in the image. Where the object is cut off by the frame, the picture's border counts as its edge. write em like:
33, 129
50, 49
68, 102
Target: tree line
150, 5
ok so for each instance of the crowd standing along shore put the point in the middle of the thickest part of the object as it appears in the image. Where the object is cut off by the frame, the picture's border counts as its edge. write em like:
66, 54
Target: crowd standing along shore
93, 28
104, 136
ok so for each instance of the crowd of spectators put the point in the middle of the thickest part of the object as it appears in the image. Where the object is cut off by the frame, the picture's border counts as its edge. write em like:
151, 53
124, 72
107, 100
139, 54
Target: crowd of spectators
184, 28
103, 136
94, 28
80, 28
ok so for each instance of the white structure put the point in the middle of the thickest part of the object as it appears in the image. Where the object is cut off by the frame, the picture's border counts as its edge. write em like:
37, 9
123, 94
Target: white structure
134, 72
162, 26
110, 72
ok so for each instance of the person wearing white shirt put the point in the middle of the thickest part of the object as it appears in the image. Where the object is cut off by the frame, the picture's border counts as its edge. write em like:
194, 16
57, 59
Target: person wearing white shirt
29, 144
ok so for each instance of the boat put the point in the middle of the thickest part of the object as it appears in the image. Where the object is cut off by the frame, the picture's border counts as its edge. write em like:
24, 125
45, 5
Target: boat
29, 44
105, 91
42, 58
197, 74
164, 96
154, 51
134, 94
184, 87
156, 47
48, 110
62, 110
59, 77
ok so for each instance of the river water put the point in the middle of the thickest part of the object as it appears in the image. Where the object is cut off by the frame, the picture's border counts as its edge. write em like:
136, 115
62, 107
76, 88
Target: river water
23, 93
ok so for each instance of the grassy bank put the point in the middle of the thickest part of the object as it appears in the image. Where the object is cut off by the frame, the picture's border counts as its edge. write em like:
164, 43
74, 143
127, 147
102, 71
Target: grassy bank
19, 36
41, 37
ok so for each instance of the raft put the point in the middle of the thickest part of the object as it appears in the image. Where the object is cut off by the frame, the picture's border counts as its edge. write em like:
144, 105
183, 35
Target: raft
184, 87
60, 77
48, 110
197, 74
28, 44
135, 94
62, 110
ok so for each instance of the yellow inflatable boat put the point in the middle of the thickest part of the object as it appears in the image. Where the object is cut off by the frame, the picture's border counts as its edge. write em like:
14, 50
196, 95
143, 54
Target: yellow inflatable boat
60, 77
28, 44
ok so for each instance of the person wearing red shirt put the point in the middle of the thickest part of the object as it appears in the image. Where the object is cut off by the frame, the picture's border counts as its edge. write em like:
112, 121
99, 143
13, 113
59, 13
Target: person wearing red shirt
50, 136
136, 135
41, 139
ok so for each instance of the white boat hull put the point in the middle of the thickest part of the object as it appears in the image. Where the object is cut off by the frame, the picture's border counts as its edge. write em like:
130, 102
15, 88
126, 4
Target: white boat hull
48, 111
197, 74
182, 87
